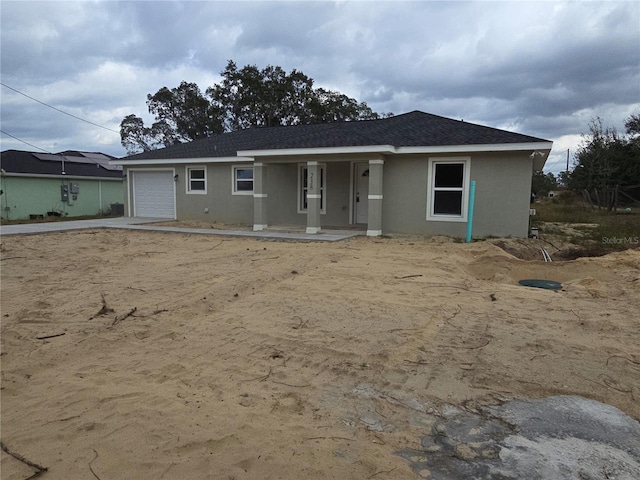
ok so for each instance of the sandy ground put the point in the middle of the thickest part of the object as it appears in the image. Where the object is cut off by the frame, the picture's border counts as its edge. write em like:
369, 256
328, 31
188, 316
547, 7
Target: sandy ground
243, 359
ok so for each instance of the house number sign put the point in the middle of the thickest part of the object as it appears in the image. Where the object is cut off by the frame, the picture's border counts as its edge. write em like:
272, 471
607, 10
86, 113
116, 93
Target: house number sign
311, 181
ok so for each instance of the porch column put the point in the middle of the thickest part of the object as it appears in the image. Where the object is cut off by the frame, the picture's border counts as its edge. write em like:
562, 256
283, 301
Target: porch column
374, 226
313, 197
259, 196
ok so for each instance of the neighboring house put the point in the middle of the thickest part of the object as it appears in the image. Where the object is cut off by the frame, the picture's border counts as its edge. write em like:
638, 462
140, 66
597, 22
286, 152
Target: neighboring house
409, 173
69, 183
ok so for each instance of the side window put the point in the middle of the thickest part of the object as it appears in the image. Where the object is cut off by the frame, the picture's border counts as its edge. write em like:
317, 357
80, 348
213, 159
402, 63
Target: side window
242, 180
448, 190
196, 180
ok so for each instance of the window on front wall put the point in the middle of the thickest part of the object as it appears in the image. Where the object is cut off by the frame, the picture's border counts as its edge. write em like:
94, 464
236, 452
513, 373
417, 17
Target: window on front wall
196, 180
448, 186
303, 189
242, 180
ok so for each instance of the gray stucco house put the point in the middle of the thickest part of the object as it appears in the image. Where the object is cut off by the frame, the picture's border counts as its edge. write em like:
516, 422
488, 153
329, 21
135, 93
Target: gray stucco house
410, 173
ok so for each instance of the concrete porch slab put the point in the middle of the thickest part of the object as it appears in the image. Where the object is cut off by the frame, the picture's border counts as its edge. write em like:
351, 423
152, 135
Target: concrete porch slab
133, 223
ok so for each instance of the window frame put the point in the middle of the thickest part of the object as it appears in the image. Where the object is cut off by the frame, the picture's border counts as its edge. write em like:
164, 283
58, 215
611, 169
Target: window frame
323, 187
188, 188
234, 180
432, 189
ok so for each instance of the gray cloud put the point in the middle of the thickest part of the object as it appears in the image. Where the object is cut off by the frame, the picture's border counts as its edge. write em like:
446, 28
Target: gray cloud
541, 68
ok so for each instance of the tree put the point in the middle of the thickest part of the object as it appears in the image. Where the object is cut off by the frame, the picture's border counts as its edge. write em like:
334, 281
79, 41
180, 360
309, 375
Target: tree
633, 127
181, 114
608, 165
134, 136
245, 98
542, 183
261, 98
186, 112
329, 106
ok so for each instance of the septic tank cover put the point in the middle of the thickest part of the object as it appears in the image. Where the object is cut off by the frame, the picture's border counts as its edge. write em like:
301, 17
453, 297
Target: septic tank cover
548, 284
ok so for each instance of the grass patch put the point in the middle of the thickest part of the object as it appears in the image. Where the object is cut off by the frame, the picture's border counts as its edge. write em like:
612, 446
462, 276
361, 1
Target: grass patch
568, 213
594, 232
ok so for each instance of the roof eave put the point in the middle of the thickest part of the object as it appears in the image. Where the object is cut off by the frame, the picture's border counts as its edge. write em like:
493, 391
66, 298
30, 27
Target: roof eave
390, 149
495, 147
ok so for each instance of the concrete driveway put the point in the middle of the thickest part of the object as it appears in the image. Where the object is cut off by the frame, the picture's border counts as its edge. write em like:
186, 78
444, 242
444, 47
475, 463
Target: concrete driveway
48, 227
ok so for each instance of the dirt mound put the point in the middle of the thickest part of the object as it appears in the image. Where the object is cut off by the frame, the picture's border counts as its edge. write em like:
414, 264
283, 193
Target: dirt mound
256, 359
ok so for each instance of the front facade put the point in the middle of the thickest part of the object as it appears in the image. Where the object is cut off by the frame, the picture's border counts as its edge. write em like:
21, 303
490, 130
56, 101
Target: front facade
36, 185
405, 174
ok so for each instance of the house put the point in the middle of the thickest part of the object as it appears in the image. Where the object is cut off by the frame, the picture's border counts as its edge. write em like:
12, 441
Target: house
409, 173
69, 183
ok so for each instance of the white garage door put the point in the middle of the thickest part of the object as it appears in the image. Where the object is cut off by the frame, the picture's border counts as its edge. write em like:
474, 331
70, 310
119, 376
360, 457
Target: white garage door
153, 194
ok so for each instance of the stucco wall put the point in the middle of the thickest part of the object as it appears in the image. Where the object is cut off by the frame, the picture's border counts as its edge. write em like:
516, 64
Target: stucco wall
404, 186
503, 183
282, 188
338, 191
222, 204
25, 196
503, 193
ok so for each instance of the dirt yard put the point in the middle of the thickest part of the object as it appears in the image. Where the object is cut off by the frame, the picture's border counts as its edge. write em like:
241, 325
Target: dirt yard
182, 356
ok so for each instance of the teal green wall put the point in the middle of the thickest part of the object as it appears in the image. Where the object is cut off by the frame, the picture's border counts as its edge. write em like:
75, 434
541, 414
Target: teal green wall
25, 196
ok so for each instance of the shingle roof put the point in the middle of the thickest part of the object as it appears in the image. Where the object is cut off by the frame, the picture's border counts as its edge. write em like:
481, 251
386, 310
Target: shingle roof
79, 164
407, 130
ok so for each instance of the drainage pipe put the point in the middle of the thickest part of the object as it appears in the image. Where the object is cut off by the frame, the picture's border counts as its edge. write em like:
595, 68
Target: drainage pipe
472, 198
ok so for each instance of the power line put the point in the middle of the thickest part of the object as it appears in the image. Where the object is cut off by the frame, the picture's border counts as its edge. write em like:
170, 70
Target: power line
57, 109
26, 143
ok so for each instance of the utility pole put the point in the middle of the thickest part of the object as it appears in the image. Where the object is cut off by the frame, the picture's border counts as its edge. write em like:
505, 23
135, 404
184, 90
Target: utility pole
567, 160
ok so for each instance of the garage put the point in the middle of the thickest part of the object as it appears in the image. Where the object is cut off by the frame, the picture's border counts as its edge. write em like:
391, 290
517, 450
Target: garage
154, 194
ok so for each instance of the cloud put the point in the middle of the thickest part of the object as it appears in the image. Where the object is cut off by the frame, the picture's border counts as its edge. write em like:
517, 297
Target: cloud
540, 68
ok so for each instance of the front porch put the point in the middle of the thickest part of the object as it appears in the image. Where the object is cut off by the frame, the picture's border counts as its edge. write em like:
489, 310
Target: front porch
318, 195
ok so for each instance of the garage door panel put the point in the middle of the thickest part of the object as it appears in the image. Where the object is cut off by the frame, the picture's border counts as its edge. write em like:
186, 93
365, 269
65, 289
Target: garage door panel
154, 194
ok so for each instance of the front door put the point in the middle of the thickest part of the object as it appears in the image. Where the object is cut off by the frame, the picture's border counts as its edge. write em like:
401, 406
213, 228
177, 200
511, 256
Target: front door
362, 193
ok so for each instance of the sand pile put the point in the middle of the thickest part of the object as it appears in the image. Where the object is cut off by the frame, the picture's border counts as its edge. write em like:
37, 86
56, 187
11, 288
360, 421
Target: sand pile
237, 358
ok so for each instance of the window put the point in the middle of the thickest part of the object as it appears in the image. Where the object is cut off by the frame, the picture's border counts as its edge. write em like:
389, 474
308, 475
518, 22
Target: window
448, 196
303, 189
242, 180
197, 180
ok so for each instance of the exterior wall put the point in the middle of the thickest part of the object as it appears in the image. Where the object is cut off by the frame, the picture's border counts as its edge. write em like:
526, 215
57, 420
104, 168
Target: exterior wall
503, 183
25, 196
219, 204
223, 206
404, 207
282, 188
503, 193
338, 192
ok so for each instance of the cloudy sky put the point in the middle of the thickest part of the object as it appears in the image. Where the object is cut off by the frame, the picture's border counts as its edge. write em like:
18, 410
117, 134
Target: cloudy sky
543, 68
